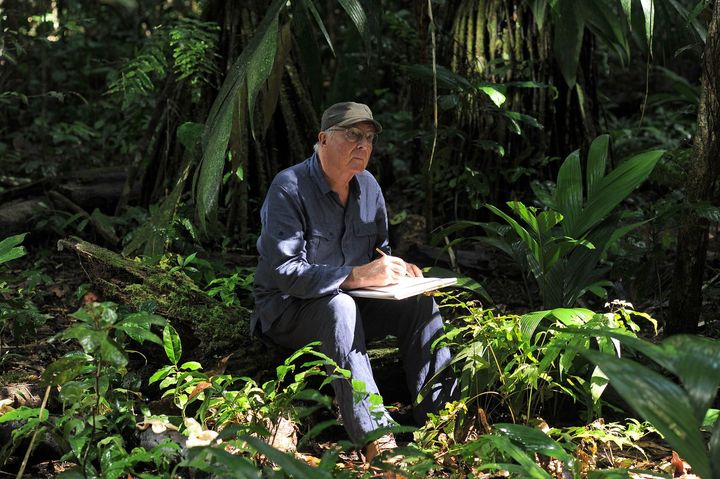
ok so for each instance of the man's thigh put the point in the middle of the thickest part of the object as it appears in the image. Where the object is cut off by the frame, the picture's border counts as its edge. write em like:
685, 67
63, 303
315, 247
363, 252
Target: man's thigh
329, 319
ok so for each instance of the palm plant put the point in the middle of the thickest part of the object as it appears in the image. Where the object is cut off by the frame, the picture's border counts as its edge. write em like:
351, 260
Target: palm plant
562, 244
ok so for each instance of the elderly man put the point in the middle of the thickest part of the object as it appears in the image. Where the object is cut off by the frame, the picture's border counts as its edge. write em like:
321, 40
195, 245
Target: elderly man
322, 222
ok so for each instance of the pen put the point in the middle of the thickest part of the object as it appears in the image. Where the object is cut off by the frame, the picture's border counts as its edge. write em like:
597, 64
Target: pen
383, 253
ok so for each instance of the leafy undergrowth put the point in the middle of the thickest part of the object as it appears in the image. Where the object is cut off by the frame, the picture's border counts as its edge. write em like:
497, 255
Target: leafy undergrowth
534, 401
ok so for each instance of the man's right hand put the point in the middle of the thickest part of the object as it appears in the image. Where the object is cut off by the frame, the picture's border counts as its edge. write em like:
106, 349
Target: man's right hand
380, 272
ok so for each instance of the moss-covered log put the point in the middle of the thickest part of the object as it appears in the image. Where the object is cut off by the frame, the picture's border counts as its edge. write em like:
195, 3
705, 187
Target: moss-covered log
207, 327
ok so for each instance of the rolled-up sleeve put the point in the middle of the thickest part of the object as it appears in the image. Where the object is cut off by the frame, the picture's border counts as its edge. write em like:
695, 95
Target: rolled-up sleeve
283, 247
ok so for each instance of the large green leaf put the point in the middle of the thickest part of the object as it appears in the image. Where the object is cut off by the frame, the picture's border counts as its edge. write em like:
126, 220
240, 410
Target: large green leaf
583, 262
530, 321
527, 239
569, 193
527, 215
614, 188
596, 163
220, 463
567, 41
217, 131
65, 369
627, 9
659, 401
172, 344
696, 362
260, 64
602, 19
535, 441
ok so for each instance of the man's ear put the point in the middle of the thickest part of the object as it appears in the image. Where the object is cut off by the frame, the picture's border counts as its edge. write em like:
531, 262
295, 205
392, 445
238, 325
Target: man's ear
322, 138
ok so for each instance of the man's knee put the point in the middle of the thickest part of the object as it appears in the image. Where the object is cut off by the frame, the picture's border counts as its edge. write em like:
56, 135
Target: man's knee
338, 322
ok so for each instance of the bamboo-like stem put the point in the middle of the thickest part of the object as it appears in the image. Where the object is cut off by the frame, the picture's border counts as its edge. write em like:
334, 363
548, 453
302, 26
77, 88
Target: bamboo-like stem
32, 439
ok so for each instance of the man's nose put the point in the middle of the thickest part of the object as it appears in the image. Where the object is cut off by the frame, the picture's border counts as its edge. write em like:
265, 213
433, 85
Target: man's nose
364, 142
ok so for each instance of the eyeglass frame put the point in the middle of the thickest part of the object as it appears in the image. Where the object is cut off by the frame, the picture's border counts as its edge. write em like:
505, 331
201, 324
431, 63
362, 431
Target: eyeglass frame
347, 129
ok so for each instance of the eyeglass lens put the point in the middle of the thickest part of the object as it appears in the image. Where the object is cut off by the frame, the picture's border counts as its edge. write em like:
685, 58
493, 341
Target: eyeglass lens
355, 135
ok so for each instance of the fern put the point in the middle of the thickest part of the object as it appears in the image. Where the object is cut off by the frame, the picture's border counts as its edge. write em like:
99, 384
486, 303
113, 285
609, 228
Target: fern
193, 45
187, 48
135, 79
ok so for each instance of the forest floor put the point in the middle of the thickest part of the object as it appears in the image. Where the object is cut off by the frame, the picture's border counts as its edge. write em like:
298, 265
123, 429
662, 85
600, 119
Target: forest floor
64, 287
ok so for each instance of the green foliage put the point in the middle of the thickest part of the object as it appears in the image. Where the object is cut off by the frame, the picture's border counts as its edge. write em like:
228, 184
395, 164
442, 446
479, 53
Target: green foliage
618, 435
562, 244
494, 95
512, 367
677, 411
226, 400
521, 443
98, 406
139, 76
18, 313
190, 43
609, 20
163, 225
226, 287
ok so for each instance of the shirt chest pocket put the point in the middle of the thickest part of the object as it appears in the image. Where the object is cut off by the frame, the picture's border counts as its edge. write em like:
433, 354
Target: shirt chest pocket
366, 236
322, 246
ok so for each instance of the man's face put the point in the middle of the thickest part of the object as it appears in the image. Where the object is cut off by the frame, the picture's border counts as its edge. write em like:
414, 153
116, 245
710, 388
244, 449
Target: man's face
340, 154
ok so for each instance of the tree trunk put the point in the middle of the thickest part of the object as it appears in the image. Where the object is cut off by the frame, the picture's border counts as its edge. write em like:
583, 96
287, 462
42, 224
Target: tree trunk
498, 41
686, 295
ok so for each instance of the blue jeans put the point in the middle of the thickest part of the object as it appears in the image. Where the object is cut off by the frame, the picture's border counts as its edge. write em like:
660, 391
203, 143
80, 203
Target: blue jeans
343, 324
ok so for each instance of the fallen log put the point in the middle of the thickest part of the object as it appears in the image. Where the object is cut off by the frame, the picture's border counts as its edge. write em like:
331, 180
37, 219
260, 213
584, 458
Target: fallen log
208, 328
86, 190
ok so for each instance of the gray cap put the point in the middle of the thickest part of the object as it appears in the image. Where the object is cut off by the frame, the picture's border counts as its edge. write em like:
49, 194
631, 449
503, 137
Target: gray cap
347, 113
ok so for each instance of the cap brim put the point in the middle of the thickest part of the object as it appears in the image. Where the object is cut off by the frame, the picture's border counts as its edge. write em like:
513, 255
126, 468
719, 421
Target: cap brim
360, 119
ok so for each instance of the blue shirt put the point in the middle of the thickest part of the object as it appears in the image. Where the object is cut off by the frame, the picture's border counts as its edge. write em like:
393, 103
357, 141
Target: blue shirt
309, 241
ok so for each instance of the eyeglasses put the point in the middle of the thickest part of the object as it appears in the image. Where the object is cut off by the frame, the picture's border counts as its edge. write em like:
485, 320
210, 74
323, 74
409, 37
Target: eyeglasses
355, 135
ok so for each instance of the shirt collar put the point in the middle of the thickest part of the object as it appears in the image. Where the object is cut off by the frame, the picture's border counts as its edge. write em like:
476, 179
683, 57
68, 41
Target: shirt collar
318, 178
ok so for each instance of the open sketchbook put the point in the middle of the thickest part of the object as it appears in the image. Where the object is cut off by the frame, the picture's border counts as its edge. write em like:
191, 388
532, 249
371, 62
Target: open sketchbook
406, 287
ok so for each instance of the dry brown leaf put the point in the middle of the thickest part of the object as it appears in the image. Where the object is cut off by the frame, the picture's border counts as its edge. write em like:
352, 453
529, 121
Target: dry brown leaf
201, 386
679, 468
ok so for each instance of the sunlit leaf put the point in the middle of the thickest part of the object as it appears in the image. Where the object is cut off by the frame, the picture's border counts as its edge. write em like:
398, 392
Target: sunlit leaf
171, 343
659, 401
535, 441
497, 97
648, 7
